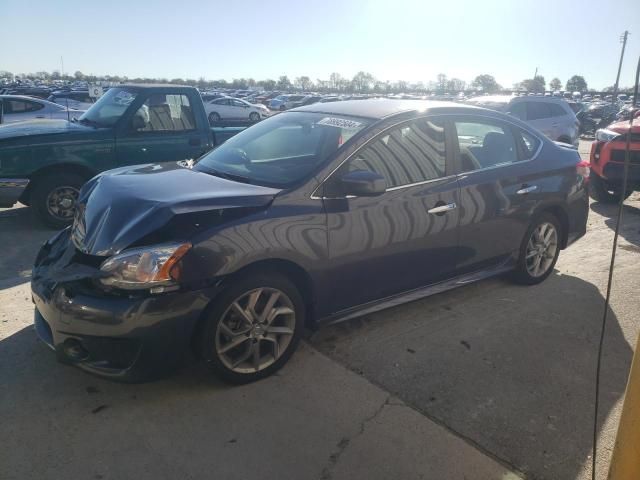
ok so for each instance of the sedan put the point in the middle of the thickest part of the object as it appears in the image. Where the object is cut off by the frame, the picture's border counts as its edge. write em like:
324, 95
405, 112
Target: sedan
227, 108
313, 216
16, 108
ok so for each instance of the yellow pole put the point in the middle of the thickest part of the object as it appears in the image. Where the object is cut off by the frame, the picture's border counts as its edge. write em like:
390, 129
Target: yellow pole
625, 463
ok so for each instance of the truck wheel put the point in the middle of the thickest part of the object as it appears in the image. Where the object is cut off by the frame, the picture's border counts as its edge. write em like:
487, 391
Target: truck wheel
253, 327
254, 117
539, 250
602, 192
213, 118
54, 198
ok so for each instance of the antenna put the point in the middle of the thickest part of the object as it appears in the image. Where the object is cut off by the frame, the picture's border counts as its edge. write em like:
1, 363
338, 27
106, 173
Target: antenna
66, 100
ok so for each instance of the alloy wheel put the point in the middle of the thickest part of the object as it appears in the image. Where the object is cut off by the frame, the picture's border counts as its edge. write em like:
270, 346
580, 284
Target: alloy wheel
255, 330
61, 202
541, 249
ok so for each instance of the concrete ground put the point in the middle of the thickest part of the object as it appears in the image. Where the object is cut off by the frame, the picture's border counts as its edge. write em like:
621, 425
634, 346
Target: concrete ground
490, 381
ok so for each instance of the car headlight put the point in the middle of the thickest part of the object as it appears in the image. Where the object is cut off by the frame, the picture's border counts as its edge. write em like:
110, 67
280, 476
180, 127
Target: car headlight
604, 135
147, 267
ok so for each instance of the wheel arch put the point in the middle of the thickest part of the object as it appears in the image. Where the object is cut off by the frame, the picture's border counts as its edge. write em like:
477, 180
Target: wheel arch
561, 214
72, 168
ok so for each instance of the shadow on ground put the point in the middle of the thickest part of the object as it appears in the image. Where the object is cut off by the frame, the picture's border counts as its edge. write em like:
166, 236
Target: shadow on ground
21, 237
510, 368
629, 230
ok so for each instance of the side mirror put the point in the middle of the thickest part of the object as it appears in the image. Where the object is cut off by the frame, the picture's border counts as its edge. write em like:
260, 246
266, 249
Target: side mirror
137, 123
363, 183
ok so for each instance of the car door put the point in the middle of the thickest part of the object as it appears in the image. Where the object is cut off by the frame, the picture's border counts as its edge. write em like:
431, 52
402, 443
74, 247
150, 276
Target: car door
539, 117
162, 129
498, 185
240, 110
405, 238
221, 107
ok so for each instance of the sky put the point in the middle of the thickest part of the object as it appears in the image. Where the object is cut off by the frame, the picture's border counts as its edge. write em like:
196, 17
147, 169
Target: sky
394, 40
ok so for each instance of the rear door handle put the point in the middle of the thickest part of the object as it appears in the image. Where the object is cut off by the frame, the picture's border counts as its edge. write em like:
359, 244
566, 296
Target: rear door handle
442, 208
527, 189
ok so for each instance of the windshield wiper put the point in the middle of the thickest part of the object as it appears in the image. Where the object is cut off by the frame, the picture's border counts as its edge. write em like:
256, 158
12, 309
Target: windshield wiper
227, 176
86, 121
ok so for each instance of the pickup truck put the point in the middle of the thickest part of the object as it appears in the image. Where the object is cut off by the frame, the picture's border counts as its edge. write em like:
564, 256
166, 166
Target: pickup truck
43, 163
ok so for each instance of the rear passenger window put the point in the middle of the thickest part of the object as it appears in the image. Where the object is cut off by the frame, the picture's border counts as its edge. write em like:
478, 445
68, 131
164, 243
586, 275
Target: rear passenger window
518, 110
485, 144
165, 113
530, 144
411, 153
538, 110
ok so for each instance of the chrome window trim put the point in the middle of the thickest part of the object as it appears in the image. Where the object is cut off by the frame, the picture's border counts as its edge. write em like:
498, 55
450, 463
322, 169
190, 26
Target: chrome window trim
459, 174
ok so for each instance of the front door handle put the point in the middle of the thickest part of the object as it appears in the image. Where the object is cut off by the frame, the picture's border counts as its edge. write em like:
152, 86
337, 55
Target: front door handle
527, 189
442, 209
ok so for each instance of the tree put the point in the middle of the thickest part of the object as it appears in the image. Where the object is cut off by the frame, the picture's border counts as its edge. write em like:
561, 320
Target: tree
486, 83
577, 83
304, 82
441, 82
267, 84
284, 83
362, 81
456, 85
78, 75
536, 84
555, 84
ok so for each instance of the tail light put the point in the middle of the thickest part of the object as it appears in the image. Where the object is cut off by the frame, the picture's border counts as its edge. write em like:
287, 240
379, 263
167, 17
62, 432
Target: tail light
583, 168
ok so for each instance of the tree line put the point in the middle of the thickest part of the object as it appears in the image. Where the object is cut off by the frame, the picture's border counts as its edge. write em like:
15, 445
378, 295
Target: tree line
361, 82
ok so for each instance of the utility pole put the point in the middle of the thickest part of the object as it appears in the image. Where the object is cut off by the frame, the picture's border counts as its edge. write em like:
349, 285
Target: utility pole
623, 40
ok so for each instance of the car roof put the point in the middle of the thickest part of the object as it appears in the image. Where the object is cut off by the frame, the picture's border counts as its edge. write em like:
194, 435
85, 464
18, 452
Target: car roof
143, 86
380, 108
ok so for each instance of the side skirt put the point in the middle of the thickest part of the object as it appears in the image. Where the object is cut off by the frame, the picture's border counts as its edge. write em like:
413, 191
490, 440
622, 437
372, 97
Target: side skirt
418, 293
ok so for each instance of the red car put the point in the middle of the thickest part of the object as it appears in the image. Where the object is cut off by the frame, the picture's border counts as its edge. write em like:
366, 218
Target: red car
607, 162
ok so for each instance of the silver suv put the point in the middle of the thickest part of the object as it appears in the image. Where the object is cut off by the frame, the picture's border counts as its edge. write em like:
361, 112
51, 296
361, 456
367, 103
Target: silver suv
552, 116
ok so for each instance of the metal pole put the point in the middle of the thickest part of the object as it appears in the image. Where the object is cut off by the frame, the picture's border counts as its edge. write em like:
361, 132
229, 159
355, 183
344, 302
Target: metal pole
625, 462
615, 87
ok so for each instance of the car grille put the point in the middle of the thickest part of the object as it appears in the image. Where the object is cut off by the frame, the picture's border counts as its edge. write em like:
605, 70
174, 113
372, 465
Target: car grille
619, 156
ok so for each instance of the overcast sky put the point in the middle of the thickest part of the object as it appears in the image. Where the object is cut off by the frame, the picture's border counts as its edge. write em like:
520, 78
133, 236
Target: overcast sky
394, 40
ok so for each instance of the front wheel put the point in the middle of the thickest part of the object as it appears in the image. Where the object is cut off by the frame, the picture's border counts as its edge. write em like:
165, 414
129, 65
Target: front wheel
253, 328
214, 117
254, 116
601, 191
54, 198
539, 250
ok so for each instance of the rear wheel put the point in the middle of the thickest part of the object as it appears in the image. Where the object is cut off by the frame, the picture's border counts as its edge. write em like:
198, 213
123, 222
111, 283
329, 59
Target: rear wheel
539, 250
213, 118
254, 116
54, 198
253, 328
601, 191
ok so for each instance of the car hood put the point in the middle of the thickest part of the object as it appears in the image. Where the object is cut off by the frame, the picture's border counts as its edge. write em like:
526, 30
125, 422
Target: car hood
41, 127
623, 127
122, 206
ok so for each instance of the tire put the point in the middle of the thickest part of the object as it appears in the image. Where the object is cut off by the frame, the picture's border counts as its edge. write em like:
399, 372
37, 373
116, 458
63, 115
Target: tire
526, 272
214, 117
225, 327
601, 192
53, 198
254, 117
282, 108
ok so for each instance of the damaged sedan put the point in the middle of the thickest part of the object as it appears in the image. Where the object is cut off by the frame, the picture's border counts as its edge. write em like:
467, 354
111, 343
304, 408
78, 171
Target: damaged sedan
315, 215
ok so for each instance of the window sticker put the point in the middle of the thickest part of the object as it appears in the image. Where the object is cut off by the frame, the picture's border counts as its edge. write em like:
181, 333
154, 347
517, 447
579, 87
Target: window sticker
340, 123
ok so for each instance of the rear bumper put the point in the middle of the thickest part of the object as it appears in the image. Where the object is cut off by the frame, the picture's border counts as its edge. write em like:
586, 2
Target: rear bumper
11, 189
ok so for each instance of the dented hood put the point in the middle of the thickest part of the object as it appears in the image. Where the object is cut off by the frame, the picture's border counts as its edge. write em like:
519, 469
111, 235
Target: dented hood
122, 206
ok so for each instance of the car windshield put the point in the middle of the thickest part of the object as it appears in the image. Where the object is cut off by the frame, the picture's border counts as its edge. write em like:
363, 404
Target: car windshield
109, 108
281, 150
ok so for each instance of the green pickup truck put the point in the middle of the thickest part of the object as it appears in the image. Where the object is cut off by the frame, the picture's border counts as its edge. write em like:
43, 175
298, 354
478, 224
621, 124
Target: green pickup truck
43, 163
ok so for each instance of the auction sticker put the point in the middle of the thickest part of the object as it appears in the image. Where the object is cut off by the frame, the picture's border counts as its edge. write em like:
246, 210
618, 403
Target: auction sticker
340, 123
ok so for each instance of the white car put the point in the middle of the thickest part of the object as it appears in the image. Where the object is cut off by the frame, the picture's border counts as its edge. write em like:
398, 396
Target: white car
77, 99
16, 108
227, 108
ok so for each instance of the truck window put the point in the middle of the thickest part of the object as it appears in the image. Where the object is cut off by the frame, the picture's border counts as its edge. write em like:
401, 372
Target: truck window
164, 113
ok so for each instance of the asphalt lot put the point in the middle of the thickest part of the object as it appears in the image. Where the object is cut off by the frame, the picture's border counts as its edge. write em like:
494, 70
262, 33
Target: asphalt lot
473, 383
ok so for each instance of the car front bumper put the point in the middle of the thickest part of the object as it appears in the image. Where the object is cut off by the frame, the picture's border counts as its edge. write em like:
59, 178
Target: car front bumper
11, 189
130, 338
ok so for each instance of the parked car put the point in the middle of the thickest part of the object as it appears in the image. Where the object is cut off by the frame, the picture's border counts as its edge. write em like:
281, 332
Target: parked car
18, 108
79, 100
284, 102
315, 215
227, 108
551, 115
266, 97
607, 162
44, 163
